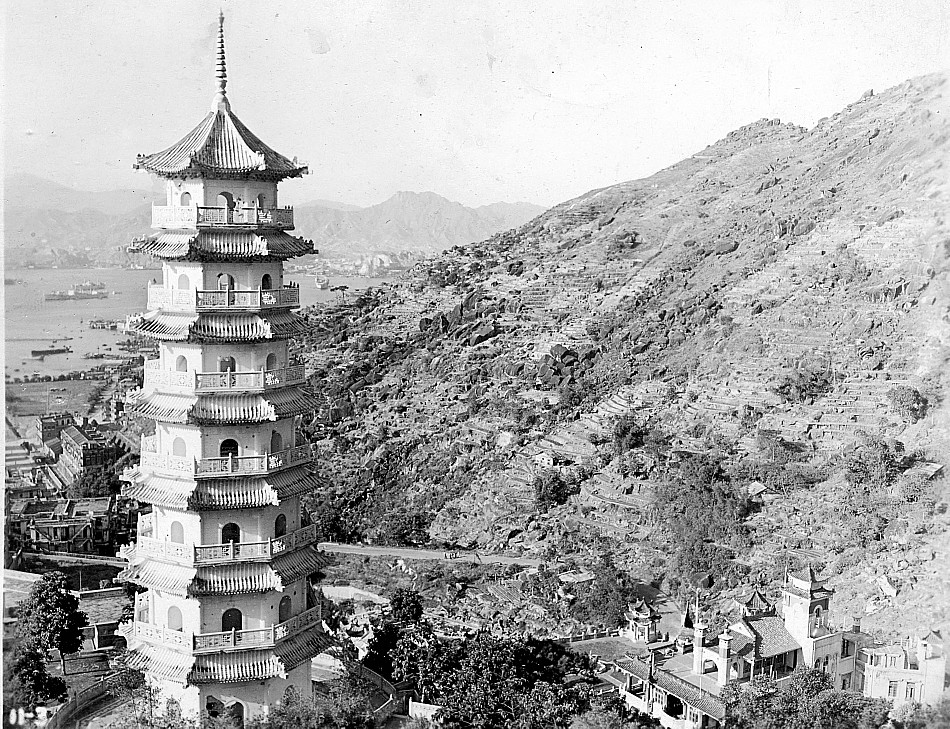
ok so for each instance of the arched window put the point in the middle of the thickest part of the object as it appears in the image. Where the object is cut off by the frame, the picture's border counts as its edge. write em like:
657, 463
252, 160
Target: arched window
271, 363
267, 283
236, 712
227, 364
185, 199
817, 663
225, 282
213, 707
184, 282
181, 363
174, 618
230, 532
280, 525
261, 200
172, 709
283, 609
176, 532
229, 448
231, 619
179, 448
276, 442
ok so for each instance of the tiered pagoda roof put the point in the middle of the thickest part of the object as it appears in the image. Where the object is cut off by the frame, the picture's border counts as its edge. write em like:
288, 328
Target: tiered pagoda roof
222, 245
220, 409
211, 328
221, 146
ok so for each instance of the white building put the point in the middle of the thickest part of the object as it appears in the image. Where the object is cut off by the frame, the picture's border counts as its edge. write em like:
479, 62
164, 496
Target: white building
228, 620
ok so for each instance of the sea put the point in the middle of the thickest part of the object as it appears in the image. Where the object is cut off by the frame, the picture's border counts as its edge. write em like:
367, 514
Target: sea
32, 323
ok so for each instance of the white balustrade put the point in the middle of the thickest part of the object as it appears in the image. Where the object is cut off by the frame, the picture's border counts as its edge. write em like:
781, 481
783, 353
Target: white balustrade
160, 296
254, 465
259, 637
193, 216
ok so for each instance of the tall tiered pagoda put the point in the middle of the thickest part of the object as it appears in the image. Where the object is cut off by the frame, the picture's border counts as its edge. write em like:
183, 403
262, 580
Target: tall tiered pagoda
228, 620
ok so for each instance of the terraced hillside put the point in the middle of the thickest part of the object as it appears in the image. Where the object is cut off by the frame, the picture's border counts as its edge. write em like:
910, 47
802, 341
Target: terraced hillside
736, 363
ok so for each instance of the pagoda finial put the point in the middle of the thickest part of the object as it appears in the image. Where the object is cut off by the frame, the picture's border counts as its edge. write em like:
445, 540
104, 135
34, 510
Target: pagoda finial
221, 71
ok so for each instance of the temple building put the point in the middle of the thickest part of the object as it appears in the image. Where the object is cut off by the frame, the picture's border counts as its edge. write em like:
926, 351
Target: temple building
228, 620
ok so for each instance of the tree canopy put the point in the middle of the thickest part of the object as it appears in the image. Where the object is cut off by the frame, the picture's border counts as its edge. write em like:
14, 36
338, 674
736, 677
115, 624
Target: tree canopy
49, 615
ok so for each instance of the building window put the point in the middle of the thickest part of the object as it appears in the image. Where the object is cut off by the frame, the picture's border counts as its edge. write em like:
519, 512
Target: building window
911, 692
283, 609
280, 525
271, 363
845, 682
179, 448
176, 533
174, 618
892, 689
185, 199
266, 282
230, 533
228, 448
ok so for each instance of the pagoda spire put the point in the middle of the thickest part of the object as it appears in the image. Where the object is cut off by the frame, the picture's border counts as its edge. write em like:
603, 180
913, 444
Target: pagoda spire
221, 102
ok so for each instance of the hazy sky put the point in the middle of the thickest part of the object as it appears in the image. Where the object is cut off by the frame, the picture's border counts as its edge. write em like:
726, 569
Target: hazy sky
478, 101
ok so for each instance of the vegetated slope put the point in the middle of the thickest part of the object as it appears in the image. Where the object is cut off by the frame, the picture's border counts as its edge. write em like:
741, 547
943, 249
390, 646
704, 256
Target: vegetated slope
736, 363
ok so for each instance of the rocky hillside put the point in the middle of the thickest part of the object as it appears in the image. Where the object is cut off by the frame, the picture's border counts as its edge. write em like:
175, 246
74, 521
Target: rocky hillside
733, 365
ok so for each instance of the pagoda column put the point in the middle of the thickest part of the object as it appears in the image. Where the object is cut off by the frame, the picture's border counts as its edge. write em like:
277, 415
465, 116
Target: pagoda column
227, 620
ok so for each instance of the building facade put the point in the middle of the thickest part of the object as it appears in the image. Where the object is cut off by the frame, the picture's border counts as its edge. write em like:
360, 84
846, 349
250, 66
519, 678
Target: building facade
907, 672
228, 620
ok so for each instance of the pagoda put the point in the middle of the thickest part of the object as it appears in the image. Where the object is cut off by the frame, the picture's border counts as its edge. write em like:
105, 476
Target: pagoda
227, 620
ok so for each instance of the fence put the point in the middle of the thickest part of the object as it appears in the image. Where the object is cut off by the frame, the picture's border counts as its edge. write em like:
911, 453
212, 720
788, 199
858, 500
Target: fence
79, 703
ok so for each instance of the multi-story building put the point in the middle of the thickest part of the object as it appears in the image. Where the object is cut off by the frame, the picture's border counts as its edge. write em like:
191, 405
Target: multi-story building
50, 425
85, 449
905, 672
229, 620
65, 525
680, 685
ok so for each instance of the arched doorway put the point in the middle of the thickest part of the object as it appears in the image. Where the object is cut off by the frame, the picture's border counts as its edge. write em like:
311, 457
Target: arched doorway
230, 532
271, 362
174, 618
176, 533
280, 525
181, 363
225, 282
229, 448
227, 364
261, 200
267, 283
185, 199
284, 609
236, 713
276, 442
179, 448
214, 707
184, 282
231, 619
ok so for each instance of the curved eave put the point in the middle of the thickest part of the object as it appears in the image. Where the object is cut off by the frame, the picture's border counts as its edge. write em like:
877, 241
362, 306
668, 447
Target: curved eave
220, 328
220, 146
273, 405
210, 245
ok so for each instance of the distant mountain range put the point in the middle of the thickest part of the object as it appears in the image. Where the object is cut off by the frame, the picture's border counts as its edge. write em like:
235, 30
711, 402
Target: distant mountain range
49, 223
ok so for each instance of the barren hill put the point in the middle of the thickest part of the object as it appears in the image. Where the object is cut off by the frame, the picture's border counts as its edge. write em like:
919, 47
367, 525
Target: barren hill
736, 363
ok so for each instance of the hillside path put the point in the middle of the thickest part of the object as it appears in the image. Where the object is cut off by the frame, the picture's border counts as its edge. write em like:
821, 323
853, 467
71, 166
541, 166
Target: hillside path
432, 554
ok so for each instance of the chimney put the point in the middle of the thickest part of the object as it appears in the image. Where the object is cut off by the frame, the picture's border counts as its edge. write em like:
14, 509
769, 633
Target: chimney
725, 639
699, 634
856, 624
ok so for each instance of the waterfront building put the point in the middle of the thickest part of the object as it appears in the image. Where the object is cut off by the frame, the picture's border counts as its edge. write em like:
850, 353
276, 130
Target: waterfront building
229, 620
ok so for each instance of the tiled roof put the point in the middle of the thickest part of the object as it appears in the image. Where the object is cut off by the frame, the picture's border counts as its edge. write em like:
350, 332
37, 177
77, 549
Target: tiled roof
220, 409
689, 694
161, 662
175, 327
236, 667
218, 245
220, 146
236, 579
299, 563
158, 575
242, 493
302, 647
161, 490
772, 637
159, 406
223, 409
636, 667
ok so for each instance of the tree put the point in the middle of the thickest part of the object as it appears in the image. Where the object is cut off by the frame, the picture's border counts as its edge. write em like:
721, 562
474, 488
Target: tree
550, 489
406, 605
26, 679
50, 613
93, 484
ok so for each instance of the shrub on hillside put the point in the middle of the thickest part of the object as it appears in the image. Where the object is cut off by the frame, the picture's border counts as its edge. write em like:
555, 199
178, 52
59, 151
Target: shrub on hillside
908, 403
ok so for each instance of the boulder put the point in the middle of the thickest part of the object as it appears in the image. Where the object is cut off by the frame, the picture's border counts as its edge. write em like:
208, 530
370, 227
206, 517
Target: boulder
727, 246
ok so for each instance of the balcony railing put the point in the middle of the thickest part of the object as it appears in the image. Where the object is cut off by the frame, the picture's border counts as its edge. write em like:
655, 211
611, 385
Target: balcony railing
160, 296
192, 216
224, 382
254, 465
227, 640
231, 552
258, 465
